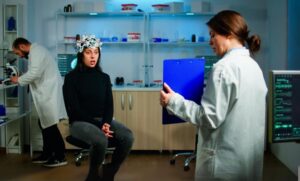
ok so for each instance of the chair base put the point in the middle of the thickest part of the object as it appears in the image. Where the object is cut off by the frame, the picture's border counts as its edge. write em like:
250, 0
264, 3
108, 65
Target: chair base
190, 156
81, 155
84, 152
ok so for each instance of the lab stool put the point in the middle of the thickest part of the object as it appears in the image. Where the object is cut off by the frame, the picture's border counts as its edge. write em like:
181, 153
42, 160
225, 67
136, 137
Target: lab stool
85, 149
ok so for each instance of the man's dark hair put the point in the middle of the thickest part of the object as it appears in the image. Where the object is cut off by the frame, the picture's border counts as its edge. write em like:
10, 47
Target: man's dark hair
20, 41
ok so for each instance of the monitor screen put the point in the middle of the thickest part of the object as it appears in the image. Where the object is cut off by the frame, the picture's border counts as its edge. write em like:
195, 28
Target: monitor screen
284, 106
66, 62
210, 60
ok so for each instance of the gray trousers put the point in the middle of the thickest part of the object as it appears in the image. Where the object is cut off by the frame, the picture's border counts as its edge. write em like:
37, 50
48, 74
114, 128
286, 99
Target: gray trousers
122, 141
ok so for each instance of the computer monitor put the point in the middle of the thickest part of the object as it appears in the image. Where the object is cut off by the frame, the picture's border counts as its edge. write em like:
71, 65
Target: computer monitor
284, 106
210, 60
66, 62
186, 77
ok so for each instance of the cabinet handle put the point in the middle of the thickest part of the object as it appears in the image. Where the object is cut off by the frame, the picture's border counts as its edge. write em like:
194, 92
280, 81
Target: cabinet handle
122, 102
130, 102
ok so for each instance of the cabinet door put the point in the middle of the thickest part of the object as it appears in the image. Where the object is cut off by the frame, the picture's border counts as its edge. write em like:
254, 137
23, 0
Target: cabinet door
154, 121
144, 119
120, 102
179, 136
13, 137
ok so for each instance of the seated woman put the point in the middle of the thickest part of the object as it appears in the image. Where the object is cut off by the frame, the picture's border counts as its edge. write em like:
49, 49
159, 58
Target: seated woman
89, 104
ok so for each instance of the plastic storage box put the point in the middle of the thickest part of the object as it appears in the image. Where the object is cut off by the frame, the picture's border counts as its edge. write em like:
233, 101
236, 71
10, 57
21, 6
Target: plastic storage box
176, 7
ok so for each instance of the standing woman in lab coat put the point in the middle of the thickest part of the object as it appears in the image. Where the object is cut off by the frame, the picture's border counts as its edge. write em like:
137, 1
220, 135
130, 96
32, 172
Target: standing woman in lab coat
231, 117
45, 84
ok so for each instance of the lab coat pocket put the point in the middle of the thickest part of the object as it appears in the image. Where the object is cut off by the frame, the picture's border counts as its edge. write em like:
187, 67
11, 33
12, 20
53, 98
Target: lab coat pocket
206, 162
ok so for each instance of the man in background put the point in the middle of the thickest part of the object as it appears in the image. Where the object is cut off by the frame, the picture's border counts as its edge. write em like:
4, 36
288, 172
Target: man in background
45, 84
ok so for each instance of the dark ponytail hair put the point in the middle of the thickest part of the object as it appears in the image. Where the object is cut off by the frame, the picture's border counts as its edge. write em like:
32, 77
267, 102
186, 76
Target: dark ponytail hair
230, 22
254, 43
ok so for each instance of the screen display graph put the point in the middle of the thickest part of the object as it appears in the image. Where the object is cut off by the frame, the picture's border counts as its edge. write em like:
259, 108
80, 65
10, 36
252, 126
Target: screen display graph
284, 106
66, 62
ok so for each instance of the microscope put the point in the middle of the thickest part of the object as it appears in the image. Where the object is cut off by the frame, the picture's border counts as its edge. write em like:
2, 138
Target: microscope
9, 71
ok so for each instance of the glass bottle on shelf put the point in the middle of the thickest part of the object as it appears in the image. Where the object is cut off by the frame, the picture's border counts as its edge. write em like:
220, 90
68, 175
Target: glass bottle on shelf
11, 24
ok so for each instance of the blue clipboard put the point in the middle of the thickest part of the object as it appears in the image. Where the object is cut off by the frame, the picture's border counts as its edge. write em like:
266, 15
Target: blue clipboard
186, 77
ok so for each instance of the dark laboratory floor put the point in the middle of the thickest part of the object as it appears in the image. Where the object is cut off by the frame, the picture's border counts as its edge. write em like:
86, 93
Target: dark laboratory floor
140, 166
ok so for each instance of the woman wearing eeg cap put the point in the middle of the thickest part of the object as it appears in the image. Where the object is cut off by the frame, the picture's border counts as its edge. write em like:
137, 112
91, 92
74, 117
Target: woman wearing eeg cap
89, 104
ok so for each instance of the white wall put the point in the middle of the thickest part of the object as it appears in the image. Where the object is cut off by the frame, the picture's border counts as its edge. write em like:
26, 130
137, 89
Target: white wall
287, 153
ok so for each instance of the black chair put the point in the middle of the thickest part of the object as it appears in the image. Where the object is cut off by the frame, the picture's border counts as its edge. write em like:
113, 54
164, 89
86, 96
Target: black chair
190, 156
85, 149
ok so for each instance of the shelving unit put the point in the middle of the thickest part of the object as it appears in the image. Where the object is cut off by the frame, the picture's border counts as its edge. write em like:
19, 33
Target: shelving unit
177, 29
113, 53
12, 98
10, 32
77, 19
11, 95
145, 61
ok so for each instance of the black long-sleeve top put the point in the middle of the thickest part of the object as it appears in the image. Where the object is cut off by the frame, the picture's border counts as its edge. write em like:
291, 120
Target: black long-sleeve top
88, 95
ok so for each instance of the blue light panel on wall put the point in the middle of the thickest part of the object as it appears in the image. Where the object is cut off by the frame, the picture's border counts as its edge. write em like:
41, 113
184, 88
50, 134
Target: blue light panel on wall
186, 77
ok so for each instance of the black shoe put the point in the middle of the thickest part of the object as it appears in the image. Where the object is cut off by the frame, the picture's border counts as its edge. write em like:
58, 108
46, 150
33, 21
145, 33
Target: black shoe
93, 178
41, 159
109, 171
54, 162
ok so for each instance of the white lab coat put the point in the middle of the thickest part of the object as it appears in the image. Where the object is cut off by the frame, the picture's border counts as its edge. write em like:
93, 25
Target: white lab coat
231, 120
45, 83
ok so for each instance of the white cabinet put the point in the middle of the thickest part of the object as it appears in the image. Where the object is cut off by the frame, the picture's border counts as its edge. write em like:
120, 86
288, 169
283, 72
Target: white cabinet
180, 136
141, 113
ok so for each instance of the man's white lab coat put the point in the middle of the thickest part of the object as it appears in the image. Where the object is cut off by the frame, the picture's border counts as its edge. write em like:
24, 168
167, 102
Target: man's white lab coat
45, 83
231, 120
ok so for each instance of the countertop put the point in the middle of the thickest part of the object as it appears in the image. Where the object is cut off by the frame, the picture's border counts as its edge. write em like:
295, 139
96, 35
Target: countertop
135, 88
